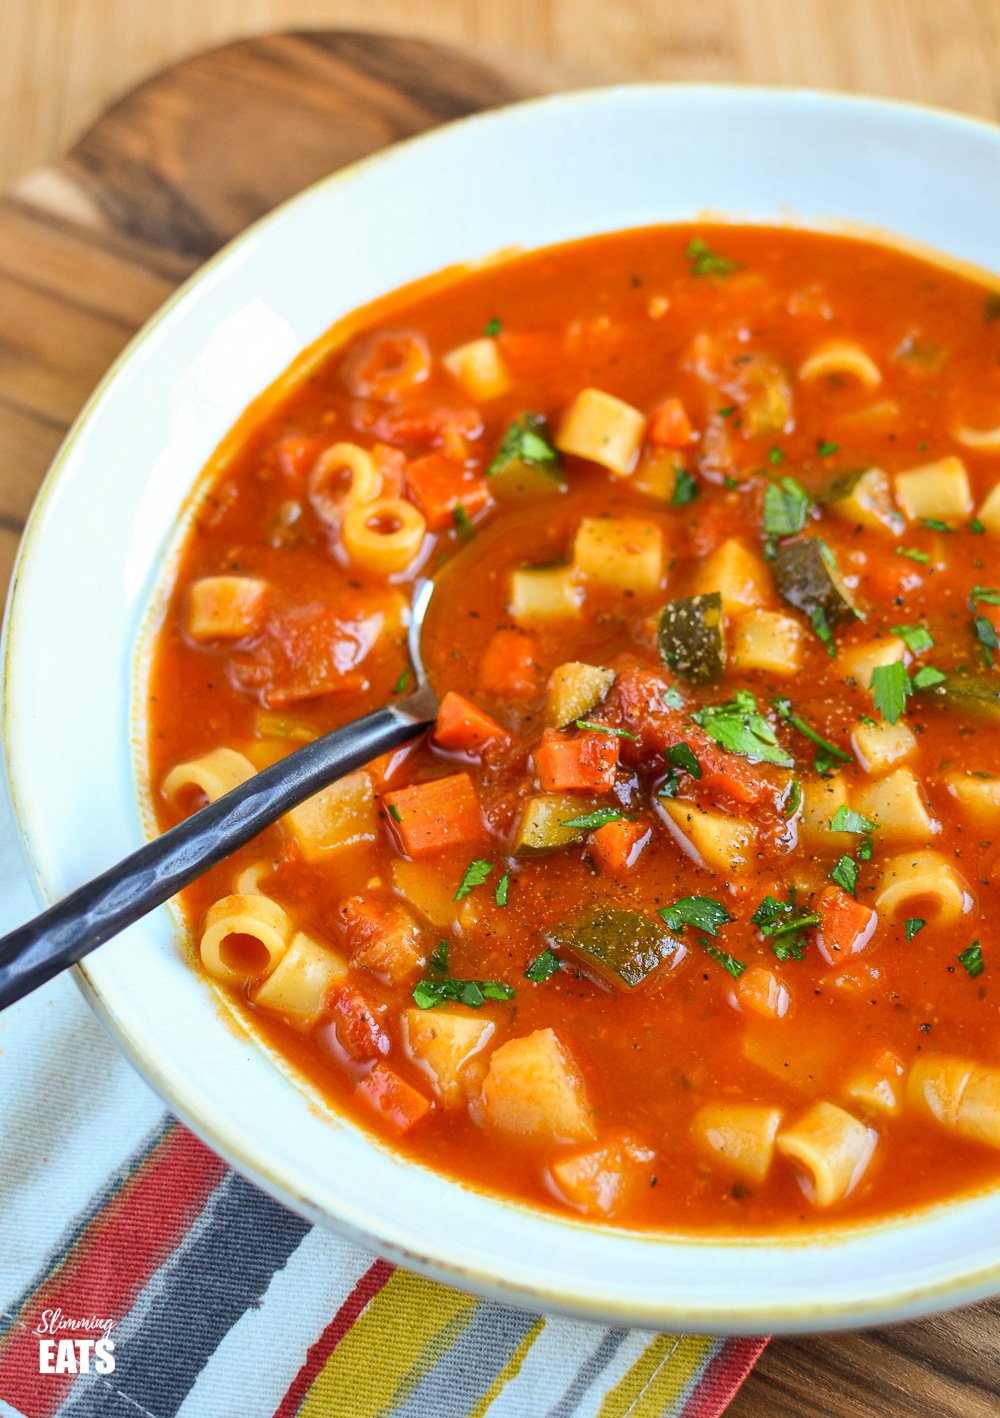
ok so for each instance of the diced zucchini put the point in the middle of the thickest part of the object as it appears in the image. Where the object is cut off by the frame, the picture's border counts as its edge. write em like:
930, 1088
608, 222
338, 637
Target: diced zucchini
691, 639
864, 498
971, 694
540, 827
622, 947
575, 688
806, 575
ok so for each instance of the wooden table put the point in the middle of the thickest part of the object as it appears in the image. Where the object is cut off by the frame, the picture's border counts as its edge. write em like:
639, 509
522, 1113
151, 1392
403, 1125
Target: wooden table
91, 246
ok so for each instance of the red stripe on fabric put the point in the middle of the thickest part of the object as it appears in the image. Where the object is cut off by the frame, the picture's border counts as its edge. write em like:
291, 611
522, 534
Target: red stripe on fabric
723, 1375
106, 1268
363, 1293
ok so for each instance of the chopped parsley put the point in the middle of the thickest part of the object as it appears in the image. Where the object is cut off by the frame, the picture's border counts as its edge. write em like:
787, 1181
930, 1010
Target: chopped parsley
394, 812
865, 849
986, 594
727, 411
927, 677
934, 524
703, 912
890, 684
439, 959
462, 520
917, 638
590, 821
475, 874
986, 634
845, 874
680, 755
780, 923
401, 683
729, 963
845, 819
914, 925
543, 967
819, 622
976, 526
784, 708
526, 441
685, 488
794, 800
826, 449
775, 457
492, 327
913, 554
503, 889
739, 727
606, 729
429, 993
786, 508
971, 960
706, 262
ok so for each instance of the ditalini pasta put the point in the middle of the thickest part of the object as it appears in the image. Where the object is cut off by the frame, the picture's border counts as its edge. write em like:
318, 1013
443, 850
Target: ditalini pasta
683, 913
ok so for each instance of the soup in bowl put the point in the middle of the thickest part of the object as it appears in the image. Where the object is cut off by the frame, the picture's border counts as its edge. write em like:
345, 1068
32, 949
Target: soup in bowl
653, 983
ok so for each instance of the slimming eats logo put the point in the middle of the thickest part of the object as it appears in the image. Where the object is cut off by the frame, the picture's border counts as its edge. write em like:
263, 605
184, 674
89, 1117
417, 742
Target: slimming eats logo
58, 1353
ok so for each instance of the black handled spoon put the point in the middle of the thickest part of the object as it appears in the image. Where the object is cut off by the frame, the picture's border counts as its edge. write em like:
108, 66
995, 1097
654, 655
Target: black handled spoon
66, 932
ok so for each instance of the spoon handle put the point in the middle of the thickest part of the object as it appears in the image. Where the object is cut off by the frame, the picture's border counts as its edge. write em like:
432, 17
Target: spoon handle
89, 916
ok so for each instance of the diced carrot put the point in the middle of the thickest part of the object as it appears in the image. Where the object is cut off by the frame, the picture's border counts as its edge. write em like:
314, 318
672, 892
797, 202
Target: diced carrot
532, 353
384, 938
586, 761
846, 925
439, 485
431, 817
296, 453
886, 577
383, 770
464, 727
355, 1024
670, 425
762, 992
509, 667
598, 1180
394, 1100
617, 845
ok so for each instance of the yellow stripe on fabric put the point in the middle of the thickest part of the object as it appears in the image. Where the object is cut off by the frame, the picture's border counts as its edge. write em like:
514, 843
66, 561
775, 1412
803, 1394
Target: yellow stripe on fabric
658, 1381
509, 1371
402, 1334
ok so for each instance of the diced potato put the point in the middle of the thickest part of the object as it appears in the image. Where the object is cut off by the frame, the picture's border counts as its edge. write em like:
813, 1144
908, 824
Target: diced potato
978, 797
717, 841
544, 593
534, 1090
922, 883
479, 368
575, 688
879, 745
625, 553
868, 503
989, 512
896, 803
857, 661
342, 815
741, 1135
738, 574
442, 1042
421, 885
769, 641
600, 1180
540, 827
604, 429
821, 797
832, 1150
226, 607
938, 489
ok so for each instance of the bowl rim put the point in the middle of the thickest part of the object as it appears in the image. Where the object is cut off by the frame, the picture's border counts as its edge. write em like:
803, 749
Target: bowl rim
445, 1263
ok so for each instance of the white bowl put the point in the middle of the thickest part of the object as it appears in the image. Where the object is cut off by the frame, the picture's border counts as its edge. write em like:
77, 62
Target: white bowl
106, 516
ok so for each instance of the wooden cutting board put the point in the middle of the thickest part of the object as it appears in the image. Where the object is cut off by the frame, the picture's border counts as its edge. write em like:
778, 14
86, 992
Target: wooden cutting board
90, 247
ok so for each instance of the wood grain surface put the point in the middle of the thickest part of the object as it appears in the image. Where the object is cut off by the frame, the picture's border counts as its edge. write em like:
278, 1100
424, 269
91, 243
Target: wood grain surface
92, 245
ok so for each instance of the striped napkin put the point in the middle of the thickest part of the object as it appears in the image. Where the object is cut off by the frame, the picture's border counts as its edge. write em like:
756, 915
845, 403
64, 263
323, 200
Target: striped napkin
141, 1278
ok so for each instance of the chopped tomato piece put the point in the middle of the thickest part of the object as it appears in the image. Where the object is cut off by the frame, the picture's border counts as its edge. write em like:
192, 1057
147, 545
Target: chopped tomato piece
392, 1099
509, 667
586, 761
295, 455
431, 817
431, 426
462, 726
846, 926
670, 426
306, 651
356, 1025
439, 485
618, 845
384, 938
